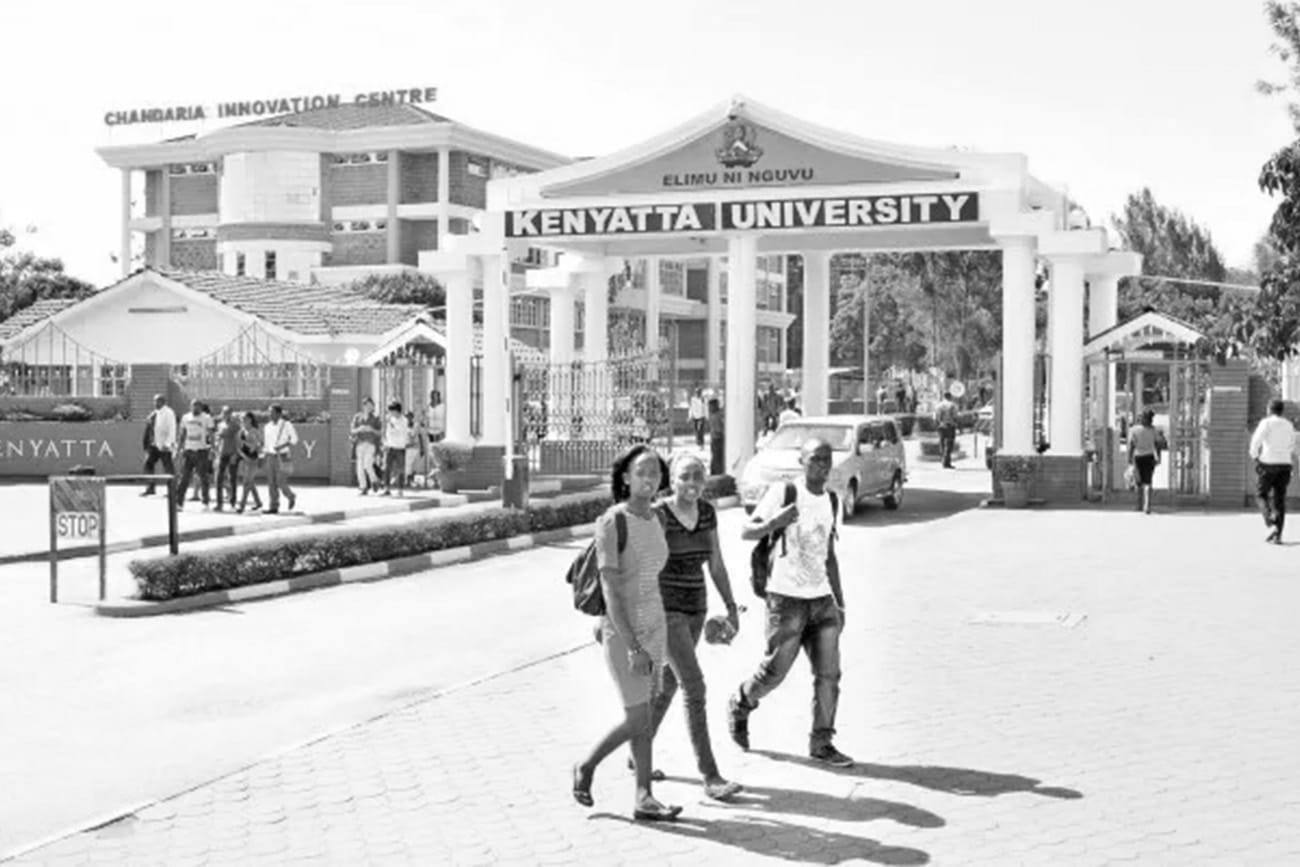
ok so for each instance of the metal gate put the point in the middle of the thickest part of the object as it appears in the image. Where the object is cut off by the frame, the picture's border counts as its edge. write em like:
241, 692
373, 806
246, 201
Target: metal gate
1189, 467
576, 418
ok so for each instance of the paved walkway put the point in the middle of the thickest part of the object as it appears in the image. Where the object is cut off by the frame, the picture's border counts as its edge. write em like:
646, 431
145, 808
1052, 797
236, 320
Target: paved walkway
1045, 687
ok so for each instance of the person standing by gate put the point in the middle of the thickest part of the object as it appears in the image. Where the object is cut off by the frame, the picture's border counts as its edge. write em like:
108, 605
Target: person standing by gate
1273, 448
278, 439
250, 458
698, 415
196, 451
1144, 455
365, 441
945, 417
159, 440
397, 436
805, 601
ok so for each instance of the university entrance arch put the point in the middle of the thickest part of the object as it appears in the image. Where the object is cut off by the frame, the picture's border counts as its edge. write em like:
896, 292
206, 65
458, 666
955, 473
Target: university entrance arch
743, 180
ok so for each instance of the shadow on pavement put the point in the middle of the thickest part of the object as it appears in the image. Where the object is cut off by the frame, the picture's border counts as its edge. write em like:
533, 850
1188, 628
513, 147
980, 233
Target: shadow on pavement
954, 781
818, 806
775, 839
919, 505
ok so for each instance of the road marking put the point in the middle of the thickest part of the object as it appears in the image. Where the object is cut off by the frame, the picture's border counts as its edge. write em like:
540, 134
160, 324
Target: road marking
1027, 618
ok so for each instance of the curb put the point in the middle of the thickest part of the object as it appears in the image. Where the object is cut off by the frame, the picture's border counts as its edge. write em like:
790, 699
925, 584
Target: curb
350, 575
364, 573
159, 540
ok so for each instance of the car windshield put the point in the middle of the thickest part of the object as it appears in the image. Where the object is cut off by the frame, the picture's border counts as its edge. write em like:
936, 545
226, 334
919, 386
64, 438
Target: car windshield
793, 436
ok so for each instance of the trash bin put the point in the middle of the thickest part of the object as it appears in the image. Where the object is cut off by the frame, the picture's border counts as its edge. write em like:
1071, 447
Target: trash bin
514, 490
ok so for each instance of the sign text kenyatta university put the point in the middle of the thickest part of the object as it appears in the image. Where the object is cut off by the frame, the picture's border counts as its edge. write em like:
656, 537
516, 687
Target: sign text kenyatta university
775, 214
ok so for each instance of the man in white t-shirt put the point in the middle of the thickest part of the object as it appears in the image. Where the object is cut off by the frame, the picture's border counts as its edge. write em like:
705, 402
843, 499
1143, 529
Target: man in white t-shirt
805, 602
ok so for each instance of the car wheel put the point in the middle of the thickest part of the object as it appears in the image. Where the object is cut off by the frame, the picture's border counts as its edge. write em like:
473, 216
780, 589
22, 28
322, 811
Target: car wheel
849, 504
894, 498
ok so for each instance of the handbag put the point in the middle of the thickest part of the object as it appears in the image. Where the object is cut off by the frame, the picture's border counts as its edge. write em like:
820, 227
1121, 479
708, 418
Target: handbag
1130, 477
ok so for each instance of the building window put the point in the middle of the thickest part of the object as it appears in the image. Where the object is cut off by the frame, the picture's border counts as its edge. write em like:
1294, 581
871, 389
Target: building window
192, 234
192, 169
476, 168
345, 227
240, 265
672, 277
270, 265
769, 345
363, 158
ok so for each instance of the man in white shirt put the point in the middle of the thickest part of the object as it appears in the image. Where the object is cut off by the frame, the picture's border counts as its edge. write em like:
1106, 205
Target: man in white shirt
1273, 448
698, 415
805, 601
278, 440
196, 451
159, 440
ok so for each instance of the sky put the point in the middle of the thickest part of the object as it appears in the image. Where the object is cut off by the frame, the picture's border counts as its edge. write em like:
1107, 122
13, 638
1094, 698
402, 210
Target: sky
1104, 97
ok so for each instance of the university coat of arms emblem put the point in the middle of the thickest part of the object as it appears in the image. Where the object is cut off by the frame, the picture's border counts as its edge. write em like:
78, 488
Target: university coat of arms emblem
739, 146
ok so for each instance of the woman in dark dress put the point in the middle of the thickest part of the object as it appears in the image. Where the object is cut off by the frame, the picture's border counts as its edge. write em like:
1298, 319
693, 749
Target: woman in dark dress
691, 528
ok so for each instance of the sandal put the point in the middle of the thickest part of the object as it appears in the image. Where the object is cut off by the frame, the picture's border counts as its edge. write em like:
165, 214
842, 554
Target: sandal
581, 789
653, 811
656, 776
723, 791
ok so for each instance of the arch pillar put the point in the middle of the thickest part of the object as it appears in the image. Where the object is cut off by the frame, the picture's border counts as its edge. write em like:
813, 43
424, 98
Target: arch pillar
816, 333
742, 351
454, 271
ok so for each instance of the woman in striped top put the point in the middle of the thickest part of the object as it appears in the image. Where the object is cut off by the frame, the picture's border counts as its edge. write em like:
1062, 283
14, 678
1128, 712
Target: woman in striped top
691, 529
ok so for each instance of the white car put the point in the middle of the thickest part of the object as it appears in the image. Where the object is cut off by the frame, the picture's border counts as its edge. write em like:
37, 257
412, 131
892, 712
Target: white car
868, 460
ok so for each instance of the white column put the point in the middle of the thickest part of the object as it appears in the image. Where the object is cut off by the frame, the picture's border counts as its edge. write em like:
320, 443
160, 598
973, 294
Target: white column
1103, 313
125, 250
713, 323
562, 354
444, 196
595, 309
742, 337
459, 287
393, 236
163, 248
652, 307
816, 332
1065, 321
1017, 344
496, 350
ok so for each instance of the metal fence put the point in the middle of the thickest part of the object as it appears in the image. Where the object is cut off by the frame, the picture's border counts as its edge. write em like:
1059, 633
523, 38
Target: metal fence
254, 366
49, 363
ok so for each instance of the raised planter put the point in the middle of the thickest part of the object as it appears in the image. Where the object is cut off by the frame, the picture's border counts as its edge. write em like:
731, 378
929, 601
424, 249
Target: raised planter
1015, 495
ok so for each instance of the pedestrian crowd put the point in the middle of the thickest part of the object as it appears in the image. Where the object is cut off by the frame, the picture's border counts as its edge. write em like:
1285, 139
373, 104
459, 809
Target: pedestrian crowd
240, 448
395, 449
653, 548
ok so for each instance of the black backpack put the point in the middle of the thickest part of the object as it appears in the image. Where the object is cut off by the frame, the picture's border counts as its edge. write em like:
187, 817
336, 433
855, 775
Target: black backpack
584, 572
760, 559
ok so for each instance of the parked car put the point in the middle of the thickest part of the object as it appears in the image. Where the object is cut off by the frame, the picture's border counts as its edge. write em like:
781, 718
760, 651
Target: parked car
868, 460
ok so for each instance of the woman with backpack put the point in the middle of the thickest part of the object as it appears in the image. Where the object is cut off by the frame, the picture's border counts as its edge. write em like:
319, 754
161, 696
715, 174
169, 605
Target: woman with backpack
631, 552
691, 530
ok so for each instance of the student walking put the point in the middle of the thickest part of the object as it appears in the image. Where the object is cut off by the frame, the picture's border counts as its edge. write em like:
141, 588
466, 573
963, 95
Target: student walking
365, 434
805, 601
1144, 456
227, 445
945, 417
634, 629
278, 440
1273, 447
691, 530
397, 435
698, 415
196, 452
159, 441
250, 458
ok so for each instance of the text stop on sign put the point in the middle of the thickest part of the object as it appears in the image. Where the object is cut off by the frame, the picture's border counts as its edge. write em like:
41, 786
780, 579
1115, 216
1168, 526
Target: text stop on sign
77, 525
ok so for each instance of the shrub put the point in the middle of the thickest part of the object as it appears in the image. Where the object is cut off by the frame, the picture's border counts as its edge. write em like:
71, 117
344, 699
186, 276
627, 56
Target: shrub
451, 456
257, 562
71, 412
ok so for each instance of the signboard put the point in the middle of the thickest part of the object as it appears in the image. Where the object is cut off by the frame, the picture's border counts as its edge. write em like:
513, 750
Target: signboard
851, 212
267, 106
77, 525
741, 153
76, 513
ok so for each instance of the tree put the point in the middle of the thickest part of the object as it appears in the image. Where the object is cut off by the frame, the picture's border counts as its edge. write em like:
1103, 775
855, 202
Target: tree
406, 287
26, 278
1172, 245
1284, 21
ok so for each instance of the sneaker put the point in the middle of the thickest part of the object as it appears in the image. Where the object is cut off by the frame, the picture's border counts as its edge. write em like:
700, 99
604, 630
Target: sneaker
827, 754
293, 500
738, 721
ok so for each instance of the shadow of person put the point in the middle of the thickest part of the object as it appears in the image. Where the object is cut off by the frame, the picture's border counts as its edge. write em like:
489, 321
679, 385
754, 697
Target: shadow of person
954, 781
775, 839
797, 802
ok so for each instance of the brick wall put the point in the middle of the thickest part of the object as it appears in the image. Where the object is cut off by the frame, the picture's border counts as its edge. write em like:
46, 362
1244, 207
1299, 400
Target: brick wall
486, 468
344, 401
467, 189
1229, 433
359, 248
152, 192
194, 194
1060, 480
200, 255
356, 185
419, 178
417, 235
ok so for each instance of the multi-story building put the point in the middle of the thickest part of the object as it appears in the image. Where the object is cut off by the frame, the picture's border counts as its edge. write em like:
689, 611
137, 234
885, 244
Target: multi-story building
329, 195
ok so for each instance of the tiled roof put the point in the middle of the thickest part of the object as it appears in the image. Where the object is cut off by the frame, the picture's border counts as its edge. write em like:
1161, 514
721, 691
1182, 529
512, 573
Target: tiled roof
297, 307
346, 117
38, 312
